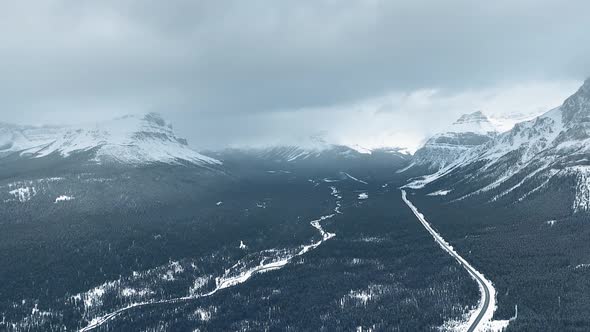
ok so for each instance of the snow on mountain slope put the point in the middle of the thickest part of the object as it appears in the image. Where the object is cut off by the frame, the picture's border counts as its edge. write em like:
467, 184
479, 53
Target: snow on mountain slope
315, 148
309, 147
128, 140
505, 122
304, 148
526, 159
14, 138
469, 131
299, 153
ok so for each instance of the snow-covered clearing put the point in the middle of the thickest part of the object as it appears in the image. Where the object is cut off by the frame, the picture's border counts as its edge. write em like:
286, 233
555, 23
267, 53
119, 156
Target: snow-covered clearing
63, 198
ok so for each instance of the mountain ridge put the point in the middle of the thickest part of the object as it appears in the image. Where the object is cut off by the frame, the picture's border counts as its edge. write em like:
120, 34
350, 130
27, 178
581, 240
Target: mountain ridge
542, 153
130, 140
467, 132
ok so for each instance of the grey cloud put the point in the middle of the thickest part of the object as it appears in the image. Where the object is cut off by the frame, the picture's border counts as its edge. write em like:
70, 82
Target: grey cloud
210, 61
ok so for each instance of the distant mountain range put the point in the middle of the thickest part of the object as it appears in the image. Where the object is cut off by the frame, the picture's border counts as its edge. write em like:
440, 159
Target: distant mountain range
472, 158
137, 140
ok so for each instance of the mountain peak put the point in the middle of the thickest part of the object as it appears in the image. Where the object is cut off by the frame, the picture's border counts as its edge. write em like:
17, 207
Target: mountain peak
475, 122
469, 131
156, 119
576, 108
474, 117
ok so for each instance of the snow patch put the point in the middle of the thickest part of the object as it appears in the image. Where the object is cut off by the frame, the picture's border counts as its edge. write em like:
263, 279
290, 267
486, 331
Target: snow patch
23, 194
279, 172
63, 198
405, 168
132, 292
174, 269
203, 314
353, 178
439, 193
582, 197
198, 284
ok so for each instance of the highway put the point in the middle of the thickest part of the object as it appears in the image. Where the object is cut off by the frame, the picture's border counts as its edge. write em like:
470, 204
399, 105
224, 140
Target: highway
476, 322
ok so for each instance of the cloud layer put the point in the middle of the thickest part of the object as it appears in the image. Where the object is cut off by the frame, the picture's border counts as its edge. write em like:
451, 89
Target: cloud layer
229, 72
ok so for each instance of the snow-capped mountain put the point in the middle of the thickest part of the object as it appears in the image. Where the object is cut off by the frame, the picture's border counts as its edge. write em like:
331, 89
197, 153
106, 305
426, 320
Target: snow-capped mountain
297, 154
469, 131
313, 153
550, 151
306, 149
133, 140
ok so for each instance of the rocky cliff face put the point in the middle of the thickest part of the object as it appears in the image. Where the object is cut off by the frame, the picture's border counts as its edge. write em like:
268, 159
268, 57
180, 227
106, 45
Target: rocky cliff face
468, 132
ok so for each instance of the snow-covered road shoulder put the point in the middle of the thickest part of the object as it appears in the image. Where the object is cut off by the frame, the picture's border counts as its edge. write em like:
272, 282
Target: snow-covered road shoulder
480, 319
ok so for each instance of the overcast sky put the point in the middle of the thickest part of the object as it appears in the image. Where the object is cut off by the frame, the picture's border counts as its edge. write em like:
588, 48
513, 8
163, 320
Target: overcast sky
375, 72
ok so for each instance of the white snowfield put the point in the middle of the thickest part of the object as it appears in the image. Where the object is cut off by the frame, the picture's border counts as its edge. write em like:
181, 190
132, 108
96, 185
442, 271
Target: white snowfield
481, 318
239, 273
133, 139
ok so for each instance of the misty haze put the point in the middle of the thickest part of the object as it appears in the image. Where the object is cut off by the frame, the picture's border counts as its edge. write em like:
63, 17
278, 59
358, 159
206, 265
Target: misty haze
365, 166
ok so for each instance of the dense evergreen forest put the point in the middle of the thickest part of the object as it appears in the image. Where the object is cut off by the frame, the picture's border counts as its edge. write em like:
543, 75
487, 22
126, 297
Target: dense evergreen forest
167, 236
535, 252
